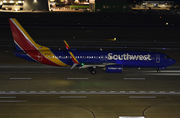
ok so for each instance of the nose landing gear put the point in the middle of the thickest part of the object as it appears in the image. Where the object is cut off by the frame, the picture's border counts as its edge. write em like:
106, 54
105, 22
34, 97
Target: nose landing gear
92, 70
158, 70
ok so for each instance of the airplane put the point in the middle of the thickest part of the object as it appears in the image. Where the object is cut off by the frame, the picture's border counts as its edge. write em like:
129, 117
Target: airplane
111, 61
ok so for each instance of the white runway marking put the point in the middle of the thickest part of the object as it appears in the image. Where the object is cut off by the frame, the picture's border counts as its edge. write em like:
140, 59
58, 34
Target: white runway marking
8, 97
94, 92
12, 100
72, 97
77, 78
162, 72
20, 78
171, 74
170, 71
131, 117
142, 97
134, 78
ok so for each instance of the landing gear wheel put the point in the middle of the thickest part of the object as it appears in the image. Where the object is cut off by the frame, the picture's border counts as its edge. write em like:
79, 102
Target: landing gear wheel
93, 72
158, 71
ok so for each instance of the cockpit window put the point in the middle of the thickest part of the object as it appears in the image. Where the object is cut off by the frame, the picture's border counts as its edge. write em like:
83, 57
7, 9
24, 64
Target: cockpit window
167, 57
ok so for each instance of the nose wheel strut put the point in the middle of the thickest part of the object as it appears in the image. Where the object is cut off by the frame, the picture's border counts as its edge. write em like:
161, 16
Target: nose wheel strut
158, 70
92, 70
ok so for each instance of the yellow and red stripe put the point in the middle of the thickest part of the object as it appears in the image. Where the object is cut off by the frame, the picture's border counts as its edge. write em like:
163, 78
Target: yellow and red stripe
67, 46
28, 45
73, 58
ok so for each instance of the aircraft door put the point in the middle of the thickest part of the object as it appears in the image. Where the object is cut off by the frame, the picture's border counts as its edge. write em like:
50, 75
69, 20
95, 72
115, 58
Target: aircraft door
39, 57
157, 58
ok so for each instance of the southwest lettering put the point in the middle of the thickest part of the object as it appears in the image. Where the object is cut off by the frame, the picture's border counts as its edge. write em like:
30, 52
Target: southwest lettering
127, 56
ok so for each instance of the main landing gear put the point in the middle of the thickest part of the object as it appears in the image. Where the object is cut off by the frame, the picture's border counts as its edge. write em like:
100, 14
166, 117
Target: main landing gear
92, 70
158, 70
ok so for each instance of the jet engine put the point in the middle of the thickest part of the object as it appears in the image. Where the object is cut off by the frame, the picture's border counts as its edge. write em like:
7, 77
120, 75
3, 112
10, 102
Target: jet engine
114, 69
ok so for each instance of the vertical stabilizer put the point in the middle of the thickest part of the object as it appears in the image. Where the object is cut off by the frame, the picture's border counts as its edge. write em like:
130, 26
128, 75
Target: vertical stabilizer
22, 39
33, 51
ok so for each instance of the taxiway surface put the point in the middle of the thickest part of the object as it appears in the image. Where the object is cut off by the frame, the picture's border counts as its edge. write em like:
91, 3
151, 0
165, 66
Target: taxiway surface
30, 89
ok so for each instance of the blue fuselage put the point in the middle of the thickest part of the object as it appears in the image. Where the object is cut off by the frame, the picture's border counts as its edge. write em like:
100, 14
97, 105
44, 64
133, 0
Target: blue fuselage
124, 58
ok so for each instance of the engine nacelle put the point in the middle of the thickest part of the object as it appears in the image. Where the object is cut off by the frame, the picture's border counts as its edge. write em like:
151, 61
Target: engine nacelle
114, 69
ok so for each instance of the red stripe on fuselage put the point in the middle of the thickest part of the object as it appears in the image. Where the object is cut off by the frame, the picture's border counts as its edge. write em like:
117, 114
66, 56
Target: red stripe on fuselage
35, 55
26, 45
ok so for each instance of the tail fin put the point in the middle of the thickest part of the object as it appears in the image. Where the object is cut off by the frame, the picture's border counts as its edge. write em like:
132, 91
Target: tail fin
22, 39
67, 46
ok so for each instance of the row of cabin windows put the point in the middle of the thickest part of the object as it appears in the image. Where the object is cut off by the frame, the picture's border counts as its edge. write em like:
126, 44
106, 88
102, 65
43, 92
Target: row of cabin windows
88, 57
78, 57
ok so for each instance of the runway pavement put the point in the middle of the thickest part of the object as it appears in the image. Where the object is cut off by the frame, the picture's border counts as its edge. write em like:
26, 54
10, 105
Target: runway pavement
35, 90
30, 89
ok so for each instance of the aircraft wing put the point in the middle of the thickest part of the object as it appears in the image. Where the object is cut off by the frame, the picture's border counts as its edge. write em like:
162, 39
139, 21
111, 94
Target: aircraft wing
96, 65
85, 65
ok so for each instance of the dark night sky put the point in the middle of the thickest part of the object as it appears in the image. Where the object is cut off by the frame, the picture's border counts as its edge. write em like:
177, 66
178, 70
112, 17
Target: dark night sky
175, 1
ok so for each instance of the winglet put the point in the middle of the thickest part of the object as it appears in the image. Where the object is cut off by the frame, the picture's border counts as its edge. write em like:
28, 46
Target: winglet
67, 46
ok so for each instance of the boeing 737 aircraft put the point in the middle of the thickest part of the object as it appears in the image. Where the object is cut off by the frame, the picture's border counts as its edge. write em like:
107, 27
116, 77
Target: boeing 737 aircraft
112, 61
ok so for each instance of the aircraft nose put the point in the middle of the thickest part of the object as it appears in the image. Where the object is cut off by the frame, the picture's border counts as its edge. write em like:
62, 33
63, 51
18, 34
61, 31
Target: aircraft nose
172, 61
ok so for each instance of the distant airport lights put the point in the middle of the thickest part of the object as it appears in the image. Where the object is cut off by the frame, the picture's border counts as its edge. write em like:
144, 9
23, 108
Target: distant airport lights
12, 1
20, 1
112, 39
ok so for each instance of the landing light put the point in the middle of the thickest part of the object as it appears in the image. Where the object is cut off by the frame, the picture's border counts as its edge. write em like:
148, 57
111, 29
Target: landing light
114, 39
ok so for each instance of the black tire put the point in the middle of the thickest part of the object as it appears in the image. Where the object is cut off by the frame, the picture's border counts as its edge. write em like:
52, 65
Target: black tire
93, 72
158, 71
